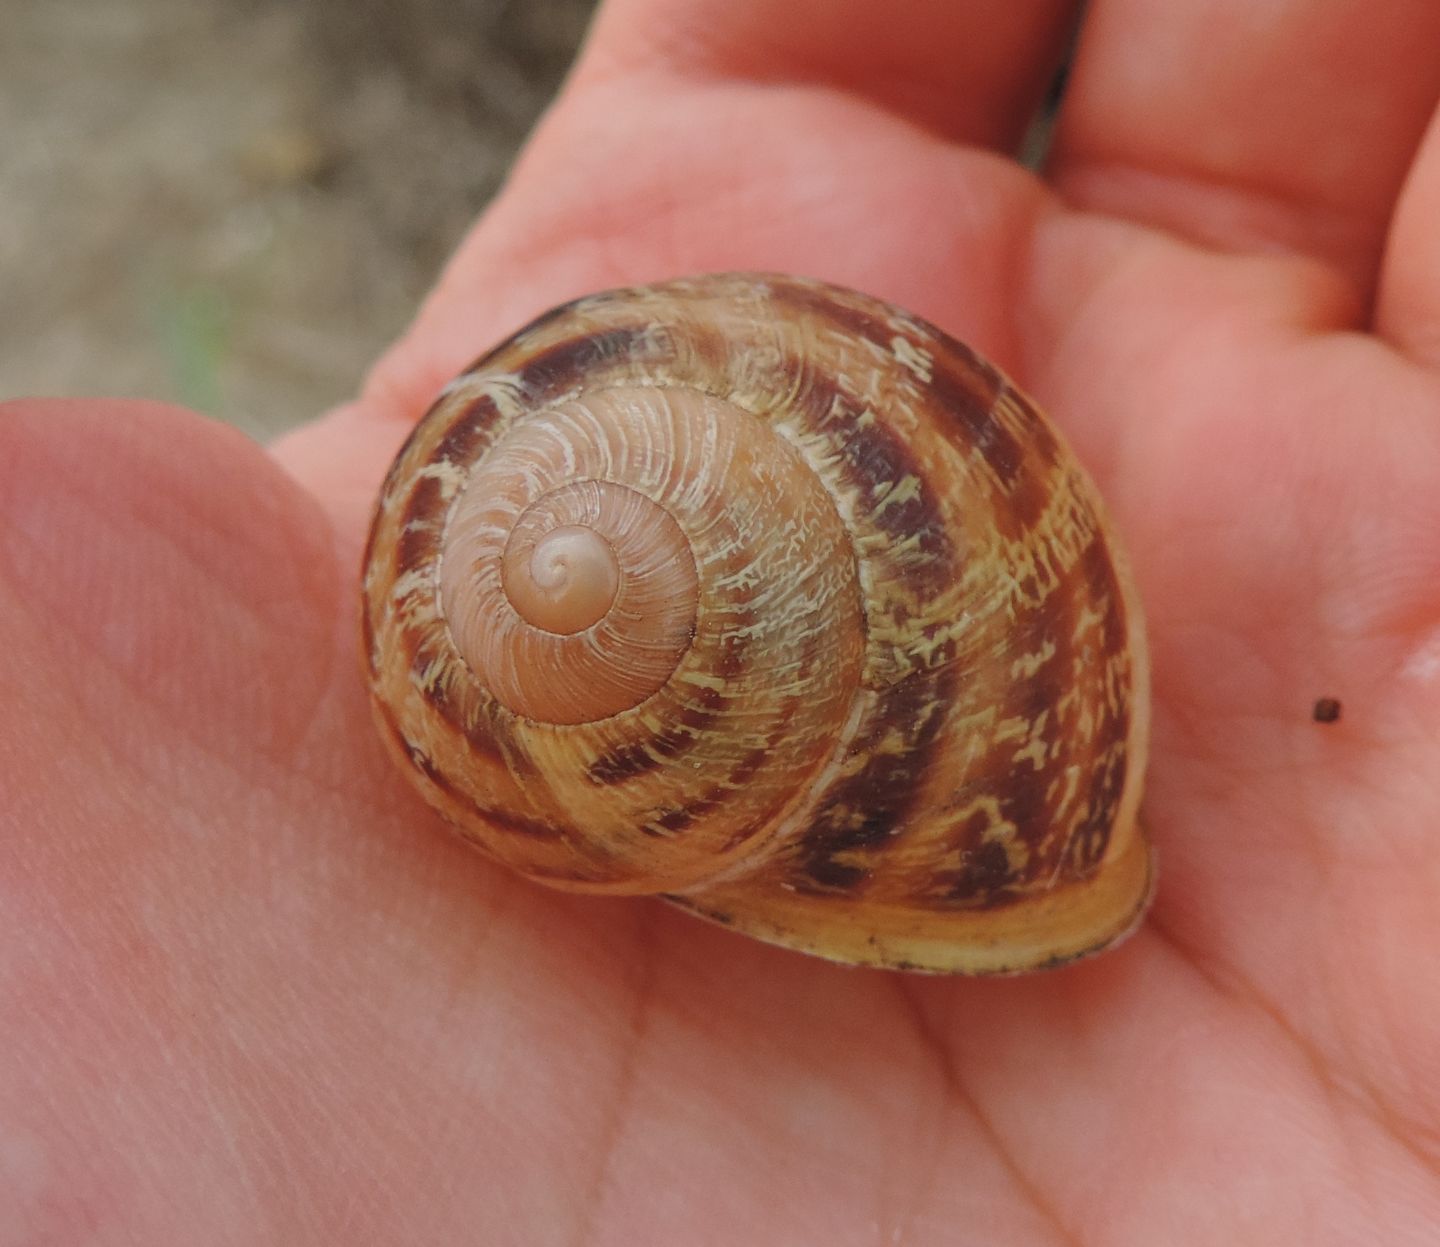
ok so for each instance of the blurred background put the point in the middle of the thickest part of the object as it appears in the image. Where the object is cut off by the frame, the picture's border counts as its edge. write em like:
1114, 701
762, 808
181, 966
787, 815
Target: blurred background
235, 204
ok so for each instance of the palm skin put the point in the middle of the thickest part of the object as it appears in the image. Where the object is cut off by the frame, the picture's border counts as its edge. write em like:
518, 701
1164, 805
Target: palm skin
252, 993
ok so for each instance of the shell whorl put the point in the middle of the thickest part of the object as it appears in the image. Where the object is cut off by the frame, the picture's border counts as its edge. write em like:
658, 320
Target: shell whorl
771, 597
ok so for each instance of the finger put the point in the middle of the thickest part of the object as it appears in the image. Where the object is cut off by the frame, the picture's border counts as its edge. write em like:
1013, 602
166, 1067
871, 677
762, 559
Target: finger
1282, 126
646, 180
1408, 309
157, 556
973, 72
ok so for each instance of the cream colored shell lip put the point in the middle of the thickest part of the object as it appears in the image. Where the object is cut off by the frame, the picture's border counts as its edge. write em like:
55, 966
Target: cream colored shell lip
831, 640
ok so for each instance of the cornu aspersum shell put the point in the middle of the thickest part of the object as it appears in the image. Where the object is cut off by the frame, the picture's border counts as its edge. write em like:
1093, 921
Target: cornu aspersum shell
769, 597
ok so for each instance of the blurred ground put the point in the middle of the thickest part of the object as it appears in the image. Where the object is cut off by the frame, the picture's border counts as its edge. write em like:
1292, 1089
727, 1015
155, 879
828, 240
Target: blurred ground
235, 204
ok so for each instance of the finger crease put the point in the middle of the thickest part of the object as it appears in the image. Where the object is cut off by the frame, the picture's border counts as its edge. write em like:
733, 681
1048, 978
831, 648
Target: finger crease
612, 1130
1227, 213
1224, 979
948, 1071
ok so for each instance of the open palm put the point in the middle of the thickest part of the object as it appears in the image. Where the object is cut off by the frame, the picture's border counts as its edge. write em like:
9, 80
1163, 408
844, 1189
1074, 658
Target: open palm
251, 993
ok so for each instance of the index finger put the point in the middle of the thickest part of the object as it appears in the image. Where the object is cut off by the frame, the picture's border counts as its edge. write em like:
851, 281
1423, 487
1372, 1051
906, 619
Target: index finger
972, 72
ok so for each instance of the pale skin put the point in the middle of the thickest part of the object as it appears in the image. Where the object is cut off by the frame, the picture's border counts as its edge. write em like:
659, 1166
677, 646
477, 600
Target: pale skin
251, 991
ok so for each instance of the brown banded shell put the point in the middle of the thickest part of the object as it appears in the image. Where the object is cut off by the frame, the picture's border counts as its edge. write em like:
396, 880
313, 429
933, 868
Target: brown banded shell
772, 598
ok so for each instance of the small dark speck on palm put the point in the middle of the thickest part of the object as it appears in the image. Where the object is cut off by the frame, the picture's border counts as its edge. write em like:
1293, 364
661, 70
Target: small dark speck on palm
1327, 710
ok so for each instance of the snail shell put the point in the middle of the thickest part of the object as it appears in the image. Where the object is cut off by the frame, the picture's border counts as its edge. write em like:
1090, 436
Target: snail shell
769, 597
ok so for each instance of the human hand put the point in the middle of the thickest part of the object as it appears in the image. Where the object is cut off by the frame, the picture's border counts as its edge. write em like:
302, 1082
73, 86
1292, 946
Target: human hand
253, 994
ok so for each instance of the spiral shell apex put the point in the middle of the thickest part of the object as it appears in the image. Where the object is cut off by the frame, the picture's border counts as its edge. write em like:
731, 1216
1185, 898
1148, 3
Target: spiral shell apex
771, 598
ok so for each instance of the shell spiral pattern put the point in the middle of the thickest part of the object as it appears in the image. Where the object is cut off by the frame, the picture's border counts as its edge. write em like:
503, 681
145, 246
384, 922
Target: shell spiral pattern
771, 598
